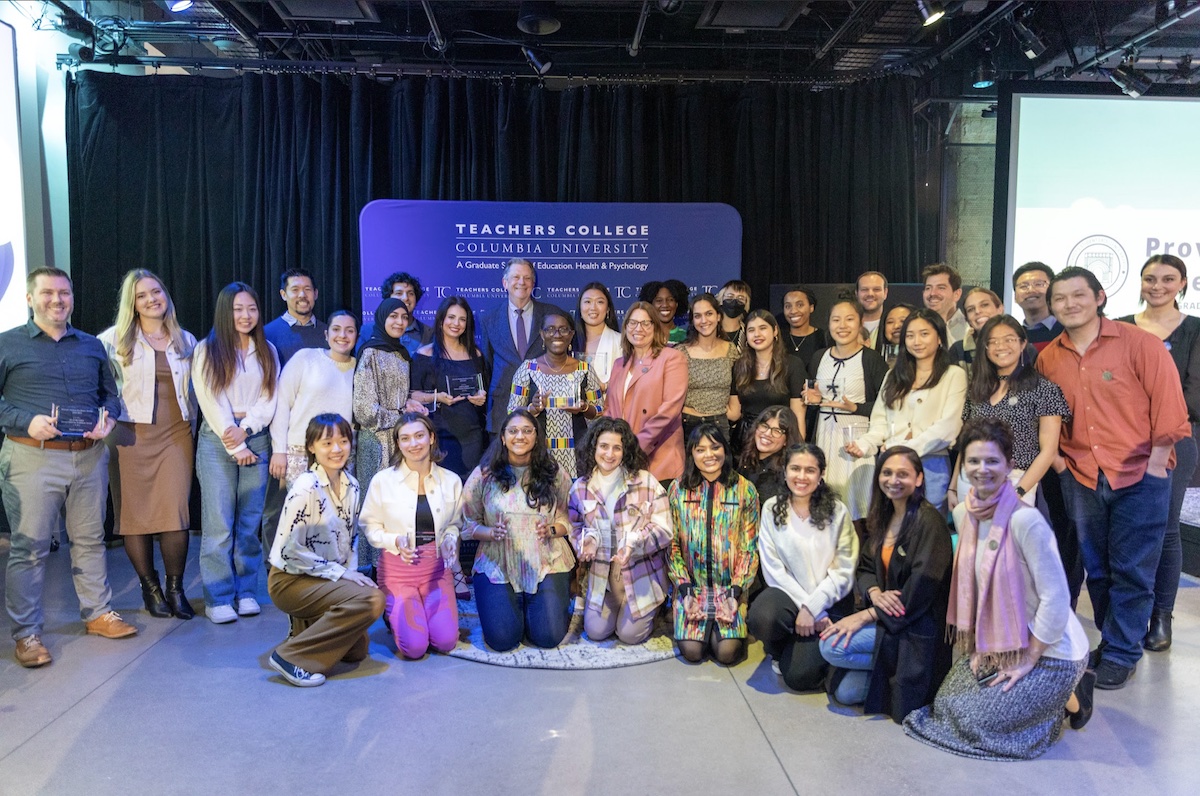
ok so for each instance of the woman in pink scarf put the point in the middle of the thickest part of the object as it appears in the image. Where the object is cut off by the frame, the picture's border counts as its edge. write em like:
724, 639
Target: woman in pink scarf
1024, 653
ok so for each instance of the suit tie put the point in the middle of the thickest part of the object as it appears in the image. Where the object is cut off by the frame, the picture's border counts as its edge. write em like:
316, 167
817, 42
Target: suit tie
522, 335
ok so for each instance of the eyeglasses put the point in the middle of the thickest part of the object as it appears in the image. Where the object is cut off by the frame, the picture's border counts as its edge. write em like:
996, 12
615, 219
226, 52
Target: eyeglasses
773, 431
1006, 342
1025, 287
558, 331
520, 432
639, 324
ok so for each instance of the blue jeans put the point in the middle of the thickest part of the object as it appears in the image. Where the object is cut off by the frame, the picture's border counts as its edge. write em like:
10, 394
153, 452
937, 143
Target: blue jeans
231, 507
937, 479
859, 657
1170, 563
1121, 539
40, 488
507, 617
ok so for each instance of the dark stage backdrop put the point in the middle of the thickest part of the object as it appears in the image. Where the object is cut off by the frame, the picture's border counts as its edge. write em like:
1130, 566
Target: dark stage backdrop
207, 180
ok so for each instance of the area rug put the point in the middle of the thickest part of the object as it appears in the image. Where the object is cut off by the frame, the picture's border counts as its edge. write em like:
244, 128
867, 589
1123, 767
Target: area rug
576, 652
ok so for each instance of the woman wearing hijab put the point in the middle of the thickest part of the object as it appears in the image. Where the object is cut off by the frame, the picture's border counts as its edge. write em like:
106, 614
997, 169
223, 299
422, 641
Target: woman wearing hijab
381, 387
1024, 653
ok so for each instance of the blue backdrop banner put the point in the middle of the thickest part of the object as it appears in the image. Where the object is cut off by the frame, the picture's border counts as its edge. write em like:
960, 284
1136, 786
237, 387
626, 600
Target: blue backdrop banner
460, 248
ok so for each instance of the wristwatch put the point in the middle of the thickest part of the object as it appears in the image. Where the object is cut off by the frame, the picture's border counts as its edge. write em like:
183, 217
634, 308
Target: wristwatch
1021, 491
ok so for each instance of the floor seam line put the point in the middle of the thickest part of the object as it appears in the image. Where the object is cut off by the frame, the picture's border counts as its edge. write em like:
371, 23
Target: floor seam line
763, 730
79, 701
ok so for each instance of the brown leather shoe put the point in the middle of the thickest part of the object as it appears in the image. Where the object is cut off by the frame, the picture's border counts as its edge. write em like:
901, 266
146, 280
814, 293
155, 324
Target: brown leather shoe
111, 625
31, 653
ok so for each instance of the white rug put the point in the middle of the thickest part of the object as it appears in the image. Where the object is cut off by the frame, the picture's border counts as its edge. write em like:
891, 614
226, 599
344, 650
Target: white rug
576, 652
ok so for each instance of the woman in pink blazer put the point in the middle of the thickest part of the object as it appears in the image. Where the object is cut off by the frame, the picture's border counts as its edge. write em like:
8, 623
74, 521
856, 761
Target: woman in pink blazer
647, 387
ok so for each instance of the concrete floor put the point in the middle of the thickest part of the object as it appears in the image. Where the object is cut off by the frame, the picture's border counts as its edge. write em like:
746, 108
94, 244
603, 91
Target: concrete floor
190, 707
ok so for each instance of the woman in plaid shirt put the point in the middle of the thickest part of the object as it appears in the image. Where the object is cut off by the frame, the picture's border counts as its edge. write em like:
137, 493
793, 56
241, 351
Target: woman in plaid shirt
620, 523
714, 555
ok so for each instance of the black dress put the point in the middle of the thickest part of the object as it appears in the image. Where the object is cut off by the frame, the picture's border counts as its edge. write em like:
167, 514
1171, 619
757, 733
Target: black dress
459, 426
912, 655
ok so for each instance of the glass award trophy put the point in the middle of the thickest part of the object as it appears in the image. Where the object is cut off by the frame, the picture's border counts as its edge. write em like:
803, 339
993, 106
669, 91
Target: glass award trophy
464, 386
75, 421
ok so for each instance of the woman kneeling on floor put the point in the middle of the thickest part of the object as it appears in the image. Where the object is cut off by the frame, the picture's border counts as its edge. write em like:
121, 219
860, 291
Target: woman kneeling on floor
892, 656
1025, 653
515, 504
621, 524
412, 513
312, 576
713, 555
808, 549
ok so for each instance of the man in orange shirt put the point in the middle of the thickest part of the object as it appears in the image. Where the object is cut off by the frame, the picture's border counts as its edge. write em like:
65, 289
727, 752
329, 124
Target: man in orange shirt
1116, 453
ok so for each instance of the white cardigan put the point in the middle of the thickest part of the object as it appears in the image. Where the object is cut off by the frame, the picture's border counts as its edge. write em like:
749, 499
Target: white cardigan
135, 381
389, 510
814, 566
933, 417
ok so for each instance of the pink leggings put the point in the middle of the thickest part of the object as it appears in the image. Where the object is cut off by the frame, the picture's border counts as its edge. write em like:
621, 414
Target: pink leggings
421, 608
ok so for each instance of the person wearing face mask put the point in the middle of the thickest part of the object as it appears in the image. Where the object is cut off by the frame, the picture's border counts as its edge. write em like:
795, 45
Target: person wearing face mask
412, 513
848, 376
559, 390
1164, 282
620, 523
734, 296
315, 381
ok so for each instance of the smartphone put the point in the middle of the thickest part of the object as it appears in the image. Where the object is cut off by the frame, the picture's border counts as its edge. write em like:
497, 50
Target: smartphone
987, 676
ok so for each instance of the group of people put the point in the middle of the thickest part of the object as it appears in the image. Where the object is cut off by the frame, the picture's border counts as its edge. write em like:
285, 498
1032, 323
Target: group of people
865, 497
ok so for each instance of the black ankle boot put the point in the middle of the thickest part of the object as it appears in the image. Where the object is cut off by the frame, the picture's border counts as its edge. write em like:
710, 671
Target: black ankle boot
176, 599
152, 596
1159, 637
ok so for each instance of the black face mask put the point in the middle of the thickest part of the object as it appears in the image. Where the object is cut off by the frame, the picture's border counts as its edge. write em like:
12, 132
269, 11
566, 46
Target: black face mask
733, 308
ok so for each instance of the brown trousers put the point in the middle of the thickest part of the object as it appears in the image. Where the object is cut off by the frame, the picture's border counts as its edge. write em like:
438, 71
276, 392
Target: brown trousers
329, 618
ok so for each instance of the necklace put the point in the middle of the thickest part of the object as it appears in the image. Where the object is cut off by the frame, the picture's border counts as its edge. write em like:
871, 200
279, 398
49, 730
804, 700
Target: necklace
159, 337
556, 370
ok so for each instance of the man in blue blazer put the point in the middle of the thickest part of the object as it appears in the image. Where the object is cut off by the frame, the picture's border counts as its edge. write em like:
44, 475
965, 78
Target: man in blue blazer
511, 333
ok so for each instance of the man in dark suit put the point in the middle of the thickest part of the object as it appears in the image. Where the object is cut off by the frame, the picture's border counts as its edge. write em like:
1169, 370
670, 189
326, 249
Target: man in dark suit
509, 334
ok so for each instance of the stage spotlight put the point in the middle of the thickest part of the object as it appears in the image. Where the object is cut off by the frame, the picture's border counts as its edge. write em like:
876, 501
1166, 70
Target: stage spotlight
931, 11
670, 6
984, 75
1130, 80
81, 53
1031, 44
179, 5
540, 63
537, 18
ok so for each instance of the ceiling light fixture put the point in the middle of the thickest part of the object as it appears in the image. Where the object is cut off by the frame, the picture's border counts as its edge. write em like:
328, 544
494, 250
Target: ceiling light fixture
984, 75
539, 63
1031, 44
1130, 80
931, 11
537, 18
177, 6
670, 6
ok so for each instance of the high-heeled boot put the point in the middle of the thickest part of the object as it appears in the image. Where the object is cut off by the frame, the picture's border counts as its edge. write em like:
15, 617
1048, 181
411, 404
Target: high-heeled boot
152, 596
176, 599
1159, 637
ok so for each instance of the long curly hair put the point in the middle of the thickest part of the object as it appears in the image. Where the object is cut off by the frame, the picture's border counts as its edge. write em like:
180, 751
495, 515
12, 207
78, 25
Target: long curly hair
633, 458
748, 459
543, 469
879, 516
821, 502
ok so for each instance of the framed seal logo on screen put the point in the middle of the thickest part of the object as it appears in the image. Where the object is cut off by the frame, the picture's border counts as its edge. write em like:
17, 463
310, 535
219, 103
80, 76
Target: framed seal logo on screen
1105, 258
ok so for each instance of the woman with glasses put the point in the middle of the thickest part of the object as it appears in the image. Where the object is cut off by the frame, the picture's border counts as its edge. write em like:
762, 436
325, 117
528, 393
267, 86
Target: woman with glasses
515, 505
647, 389
763, 459
710, 360
1003, 386
562, 392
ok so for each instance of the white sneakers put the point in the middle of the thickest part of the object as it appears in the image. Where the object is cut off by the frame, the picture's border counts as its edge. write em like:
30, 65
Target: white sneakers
220, 614
248, 606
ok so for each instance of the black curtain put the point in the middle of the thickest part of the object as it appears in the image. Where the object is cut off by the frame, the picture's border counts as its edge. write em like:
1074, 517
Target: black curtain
208, 180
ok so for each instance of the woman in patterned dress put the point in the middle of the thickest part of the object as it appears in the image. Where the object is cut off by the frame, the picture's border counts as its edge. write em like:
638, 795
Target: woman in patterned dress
710, 360
848, 378
559, 390
620, 523
713, 554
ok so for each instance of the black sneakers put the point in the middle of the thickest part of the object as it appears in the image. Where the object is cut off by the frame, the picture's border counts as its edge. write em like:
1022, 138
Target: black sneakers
294, 674
1111, 676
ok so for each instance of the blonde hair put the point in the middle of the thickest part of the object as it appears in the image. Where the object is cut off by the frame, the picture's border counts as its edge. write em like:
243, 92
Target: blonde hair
126, 326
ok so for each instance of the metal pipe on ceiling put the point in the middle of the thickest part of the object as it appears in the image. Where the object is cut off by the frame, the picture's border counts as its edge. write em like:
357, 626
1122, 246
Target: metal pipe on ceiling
1131, 42
636, 45
439, 43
